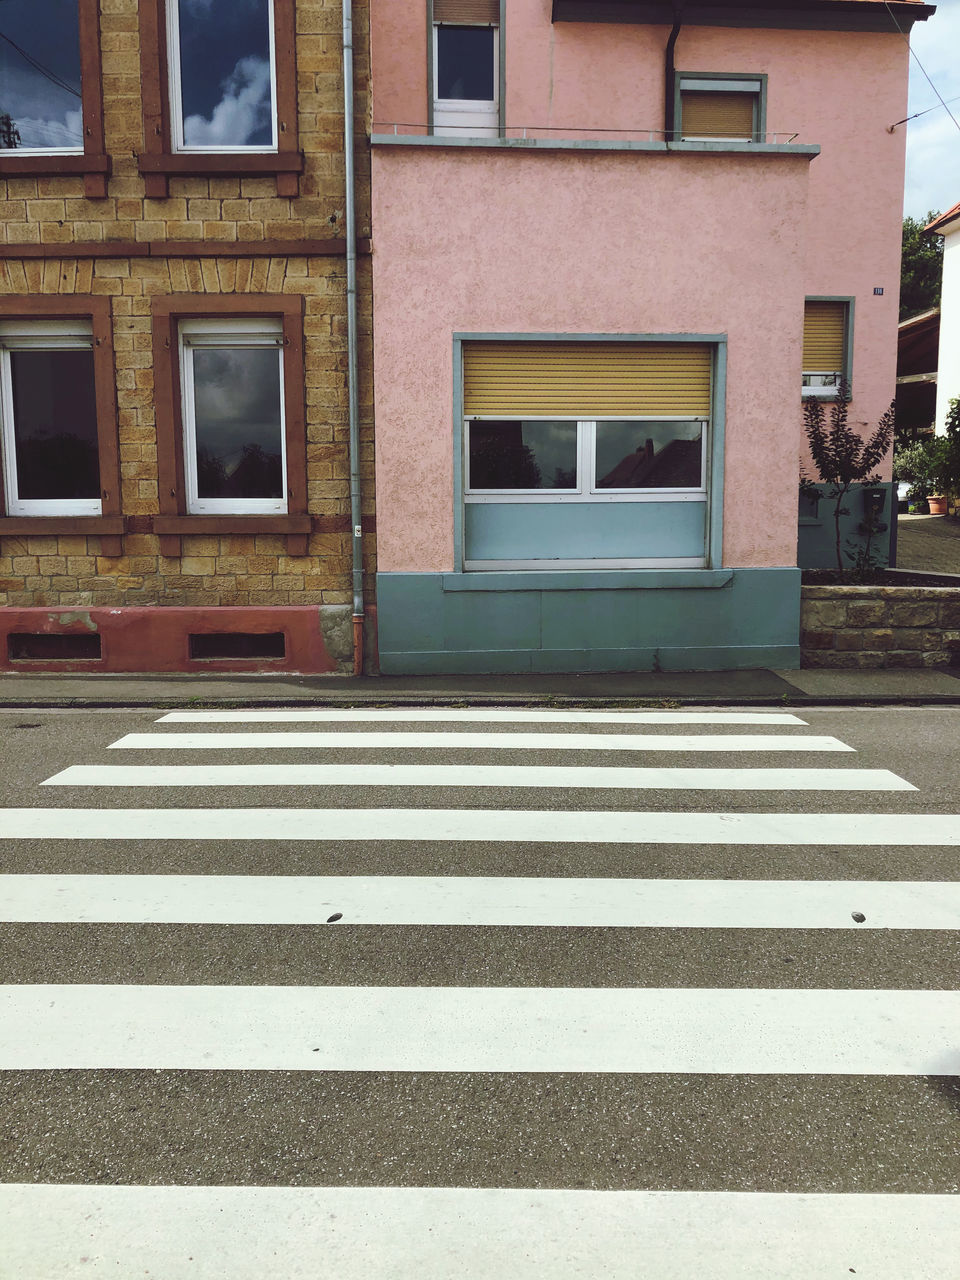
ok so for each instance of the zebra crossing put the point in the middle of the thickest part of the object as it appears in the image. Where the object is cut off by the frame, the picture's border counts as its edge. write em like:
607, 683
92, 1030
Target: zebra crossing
477, 1018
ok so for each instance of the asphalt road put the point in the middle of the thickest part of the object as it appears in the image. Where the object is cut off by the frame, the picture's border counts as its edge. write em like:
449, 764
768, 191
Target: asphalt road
619, 1038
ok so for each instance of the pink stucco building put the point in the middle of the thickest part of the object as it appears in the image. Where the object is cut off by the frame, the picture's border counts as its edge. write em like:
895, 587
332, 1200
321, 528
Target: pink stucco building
614, 250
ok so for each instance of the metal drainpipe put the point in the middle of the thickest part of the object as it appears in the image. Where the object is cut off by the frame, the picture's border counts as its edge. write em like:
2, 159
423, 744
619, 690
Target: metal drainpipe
353, 409
669, 120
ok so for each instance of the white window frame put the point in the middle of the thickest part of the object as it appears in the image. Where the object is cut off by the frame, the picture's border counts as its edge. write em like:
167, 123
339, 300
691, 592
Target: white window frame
175, 90
586, 490
229, 332
37, 335
825, 390
466, 117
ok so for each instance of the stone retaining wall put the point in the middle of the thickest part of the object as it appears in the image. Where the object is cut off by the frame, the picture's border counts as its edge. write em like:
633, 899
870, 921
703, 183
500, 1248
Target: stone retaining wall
880, 626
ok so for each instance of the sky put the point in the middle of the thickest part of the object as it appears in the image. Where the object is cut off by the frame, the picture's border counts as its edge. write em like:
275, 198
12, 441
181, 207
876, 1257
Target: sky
45, 114
933, 141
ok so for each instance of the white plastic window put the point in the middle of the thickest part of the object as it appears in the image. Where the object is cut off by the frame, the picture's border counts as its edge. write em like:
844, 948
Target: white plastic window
48, 418
223, 80
585, 460
466, 95
234, 445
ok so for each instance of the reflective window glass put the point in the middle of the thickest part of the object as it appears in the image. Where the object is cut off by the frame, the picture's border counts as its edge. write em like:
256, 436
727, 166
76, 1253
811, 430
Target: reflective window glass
55, 425
523, 455
649, 455
226, 73
238, 422
465, 63
40, 104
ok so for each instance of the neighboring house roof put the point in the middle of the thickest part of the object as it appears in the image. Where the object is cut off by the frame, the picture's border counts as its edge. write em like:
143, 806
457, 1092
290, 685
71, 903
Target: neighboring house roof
918, 346
944, 220
886, 14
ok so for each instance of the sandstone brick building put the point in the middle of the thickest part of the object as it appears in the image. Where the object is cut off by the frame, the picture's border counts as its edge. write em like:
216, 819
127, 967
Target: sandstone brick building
173, 335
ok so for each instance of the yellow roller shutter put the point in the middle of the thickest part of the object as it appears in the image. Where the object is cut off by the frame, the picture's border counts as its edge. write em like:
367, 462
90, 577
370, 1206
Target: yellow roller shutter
717, 115
824, 334
587, 379
470, 12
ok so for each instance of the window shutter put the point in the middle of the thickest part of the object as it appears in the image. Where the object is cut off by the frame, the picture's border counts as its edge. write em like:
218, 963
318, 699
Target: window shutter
824, 336
717, 115
587, 379
477, 13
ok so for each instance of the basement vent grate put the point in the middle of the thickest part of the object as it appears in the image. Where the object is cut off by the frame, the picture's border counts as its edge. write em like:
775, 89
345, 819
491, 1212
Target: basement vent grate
234, 645
57, 647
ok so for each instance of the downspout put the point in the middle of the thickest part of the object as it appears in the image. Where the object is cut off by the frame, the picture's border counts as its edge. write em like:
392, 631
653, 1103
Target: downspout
669, 99
352, 405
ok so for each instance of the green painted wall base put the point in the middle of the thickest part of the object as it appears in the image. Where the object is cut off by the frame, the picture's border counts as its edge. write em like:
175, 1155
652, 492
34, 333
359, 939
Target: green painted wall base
639, 620
817, 538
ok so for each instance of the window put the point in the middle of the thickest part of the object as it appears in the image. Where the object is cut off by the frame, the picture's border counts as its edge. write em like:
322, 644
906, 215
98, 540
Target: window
826, 345
219, 90
466, 68
222, 69
231, 378
51, 116
720, 106
231, 435
587, 454
560, 460
58, 425
49, 413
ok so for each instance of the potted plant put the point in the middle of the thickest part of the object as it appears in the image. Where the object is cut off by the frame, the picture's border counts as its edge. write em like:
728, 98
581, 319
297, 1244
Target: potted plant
943, 454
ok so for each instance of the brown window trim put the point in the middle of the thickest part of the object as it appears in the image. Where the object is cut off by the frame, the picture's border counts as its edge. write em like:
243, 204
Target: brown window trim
174, 520
158, 161
94, 165
109, 524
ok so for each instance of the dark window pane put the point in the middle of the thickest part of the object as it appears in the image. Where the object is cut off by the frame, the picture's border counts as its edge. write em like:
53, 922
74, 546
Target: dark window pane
239, 433
225, 70
465, 63
649, 455
523, 455
55, 424
40, 105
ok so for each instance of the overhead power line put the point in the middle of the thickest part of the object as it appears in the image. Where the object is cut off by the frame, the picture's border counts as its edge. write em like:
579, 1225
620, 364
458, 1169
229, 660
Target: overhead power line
44, 71
923, 69
917, 114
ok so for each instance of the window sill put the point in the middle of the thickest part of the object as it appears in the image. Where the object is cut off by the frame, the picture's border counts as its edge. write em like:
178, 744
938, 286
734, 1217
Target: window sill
108, 528
589, 580
285, 166
766, 149
94, 169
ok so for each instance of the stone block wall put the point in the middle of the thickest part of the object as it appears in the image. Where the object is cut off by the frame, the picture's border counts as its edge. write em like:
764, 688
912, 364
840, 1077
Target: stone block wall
56, 241
880, 627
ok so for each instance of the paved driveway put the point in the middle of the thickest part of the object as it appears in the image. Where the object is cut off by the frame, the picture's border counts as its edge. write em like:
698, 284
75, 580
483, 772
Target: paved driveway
930, 543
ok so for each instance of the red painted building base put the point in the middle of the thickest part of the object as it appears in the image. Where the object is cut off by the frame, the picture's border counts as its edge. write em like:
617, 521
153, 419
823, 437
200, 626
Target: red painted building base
164, 639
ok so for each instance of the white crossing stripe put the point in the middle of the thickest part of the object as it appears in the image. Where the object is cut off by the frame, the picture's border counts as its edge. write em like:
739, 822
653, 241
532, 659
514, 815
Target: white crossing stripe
391, 741
491, 715
403, 775
508, 826
478, 900
471, 1233
601, 1029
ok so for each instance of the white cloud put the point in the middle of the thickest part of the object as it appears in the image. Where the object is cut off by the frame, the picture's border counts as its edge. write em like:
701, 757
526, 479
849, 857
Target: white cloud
933, 140
245, 107
64, 134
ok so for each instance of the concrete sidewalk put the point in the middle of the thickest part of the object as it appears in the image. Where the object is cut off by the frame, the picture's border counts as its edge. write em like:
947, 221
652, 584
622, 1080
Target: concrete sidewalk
731, 688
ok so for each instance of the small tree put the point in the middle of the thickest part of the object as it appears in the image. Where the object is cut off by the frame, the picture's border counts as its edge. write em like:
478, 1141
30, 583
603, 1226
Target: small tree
932, 466
842, 458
